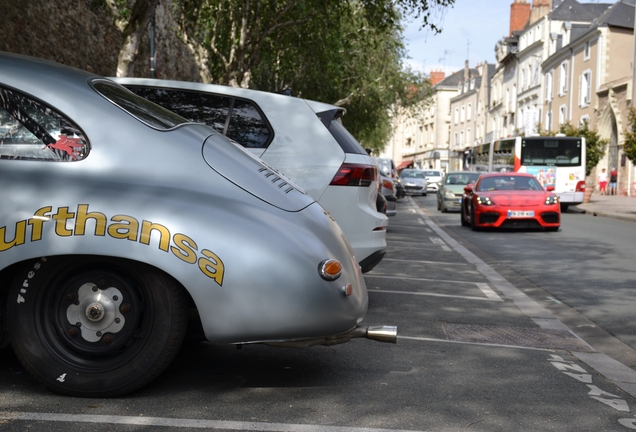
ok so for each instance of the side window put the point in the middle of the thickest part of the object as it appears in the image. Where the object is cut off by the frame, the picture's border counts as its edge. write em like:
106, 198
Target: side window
196, 107
30, 130
247, 126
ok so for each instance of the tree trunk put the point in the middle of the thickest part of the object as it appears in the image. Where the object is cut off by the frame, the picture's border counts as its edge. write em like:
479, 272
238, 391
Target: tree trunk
140, 17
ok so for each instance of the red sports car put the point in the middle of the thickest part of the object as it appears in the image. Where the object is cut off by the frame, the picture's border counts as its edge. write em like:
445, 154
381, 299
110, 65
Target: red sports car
510, 200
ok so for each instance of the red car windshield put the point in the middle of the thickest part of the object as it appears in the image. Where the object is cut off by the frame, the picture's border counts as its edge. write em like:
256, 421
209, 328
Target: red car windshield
509, 182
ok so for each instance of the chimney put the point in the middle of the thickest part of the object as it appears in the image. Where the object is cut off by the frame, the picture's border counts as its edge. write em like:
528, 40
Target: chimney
519, 15
436, 76
466, 71
540, 8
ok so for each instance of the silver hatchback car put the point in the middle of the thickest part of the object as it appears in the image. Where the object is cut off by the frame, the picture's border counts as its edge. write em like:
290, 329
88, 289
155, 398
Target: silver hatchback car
120, 219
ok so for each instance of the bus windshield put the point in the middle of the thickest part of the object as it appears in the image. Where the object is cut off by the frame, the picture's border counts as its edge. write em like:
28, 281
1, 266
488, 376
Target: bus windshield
552, 151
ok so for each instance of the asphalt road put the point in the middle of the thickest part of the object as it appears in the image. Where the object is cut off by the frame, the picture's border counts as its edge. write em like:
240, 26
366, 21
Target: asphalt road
481, 347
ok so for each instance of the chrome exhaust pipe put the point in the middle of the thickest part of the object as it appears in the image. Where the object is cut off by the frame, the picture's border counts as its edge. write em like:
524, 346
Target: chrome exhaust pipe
377, 333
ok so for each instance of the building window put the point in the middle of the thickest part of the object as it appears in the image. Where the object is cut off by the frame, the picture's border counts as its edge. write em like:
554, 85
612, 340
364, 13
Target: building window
585, 119
468, 136
548, 120
549, 86
456, 115
563, 78
462, 116
585, 91
586, 51
562, 114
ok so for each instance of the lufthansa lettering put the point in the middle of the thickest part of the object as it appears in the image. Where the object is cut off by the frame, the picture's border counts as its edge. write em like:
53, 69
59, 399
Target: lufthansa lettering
73, 223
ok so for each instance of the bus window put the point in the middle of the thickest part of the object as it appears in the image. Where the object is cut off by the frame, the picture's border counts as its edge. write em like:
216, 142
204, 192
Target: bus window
561, 152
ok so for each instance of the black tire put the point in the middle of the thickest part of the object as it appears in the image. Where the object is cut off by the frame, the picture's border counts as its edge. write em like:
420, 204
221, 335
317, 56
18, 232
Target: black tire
140, 319
439, 205
473, 224
463, 216
424, 194
564, 207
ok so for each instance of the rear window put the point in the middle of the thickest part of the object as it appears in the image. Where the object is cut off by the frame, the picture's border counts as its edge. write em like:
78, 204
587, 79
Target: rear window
347, 142
432, 173
238, 119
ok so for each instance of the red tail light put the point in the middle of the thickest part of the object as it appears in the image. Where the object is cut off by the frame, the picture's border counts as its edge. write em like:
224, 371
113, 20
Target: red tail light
355, 175
387, 184
580, 186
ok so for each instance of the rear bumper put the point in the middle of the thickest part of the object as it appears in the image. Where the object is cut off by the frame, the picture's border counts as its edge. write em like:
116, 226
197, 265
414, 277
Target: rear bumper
372, 260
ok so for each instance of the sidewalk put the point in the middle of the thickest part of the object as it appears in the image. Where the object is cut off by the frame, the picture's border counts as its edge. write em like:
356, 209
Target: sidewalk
612, 206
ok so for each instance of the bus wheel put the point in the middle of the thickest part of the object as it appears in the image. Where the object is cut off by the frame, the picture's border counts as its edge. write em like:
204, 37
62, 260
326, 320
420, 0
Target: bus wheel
95, 326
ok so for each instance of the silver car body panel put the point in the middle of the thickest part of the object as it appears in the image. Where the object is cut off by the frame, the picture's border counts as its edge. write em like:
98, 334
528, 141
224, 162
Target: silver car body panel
246, 246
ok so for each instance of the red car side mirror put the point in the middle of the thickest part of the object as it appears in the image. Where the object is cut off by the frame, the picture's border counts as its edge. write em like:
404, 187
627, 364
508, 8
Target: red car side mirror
549, 188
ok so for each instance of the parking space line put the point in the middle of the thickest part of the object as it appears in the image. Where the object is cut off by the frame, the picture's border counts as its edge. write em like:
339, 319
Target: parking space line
380, 276
488, 291
185, 423
433, 295
454, 264
424, 339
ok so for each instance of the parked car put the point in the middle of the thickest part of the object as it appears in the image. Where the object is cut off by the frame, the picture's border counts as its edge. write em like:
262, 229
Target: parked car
387, 190
433, 177
504, 200
414, 181
451, 188
120, 219
387, 168
300, 138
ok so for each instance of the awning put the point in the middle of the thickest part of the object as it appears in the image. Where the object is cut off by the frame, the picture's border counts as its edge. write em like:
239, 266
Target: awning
404, 164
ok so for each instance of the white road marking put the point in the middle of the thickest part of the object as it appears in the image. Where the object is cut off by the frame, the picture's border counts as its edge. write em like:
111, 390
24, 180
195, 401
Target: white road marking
426, 262
474, 343
433, 295
185, 423
488, 291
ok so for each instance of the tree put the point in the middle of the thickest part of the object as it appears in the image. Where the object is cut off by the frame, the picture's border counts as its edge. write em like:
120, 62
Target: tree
629, 145
132, 20
348, 53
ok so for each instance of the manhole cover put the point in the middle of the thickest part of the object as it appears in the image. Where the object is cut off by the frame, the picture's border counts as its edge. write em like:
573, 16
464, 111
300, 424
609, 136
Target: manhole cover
518, 336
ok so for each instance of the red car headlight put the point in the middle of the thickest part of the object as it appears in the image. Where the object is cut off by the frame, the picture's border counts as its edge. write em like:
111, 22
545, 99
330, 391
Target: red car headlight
552, 199
485, 201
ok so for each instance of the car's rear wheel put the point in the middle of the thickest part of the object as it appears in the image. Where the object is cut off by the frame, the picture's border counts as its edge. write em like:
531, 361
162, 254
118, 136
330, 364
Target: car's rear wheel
94, 326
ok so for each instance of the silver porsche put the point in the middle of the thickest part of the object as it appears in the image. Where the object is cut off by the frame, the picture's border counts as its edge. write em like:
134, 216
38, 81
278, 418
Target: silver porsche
120, 221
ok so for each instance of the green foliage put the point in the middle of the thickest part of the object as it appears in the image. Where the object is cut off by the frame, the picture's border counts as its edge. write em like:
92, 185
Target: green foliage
594, 145
629, 145
348, 53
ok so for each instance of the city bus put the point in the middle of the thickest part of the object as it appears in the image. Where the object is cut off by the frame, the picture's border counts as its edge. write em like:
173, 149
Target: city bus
557, 161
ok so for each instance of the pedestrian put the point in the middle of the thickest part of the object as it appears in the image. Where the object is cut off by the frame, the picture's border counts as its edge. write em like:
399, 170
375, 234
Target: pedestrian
613, 176
602, 182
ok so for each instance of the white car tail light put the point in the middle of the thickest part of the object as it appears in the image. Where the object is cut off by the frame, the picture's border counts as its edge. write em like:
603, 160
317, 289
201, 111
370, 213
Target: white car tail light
355, 175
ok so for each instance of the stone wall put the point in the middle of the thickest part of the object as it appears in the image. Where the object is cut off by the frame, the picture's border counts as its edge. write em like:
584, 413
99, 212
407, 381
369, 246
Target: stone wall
82, 33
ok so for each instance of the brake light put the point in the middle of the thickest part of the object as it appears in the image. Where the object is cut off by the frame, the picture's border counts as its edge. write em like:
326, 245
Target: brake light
387, 184
580, 186
355, 175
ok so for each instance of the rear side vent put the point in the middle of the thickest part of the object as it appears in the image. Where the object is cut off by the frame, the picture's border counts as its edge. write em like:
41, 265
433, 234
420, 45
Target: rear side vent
277, 180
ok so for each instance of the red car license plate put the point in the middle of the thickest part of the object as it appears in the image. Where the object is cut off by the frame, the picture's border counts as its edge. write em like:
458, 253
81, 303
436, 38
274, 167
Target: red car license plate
520, 214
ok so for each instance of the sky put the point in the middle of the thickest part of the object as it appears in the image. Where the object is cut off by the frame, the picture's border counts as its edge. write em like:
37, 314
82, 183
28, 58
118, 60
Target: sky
470, 30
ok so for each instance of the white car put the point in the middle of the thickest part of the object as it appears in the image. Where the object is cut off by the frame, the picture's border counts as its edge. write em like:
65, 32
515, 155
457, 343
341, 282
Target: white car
433, 177
302, 139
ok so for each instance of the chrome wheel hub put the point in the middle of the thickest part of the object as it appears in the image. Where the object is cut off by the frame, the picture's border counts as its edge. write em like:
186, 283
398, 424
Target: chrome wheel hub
96, 312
